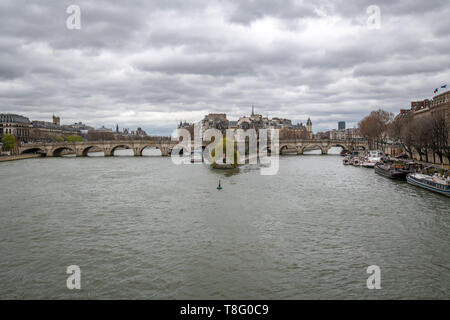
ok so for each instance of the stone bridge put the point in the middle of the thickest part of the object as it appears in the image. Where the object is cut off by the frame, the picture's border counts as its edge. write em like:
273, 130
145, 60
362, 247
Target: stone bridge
81, 149
299, 146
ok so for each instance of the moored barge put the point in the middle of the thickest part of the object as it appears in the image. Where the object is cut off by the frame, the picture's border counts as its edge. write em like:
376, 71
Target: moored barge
434, 183
392, 171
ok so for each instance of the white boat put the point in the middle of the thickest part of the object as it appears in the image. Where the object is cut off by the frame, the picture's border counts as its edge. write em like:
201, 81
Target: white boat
356, 162
436, 183
373, 156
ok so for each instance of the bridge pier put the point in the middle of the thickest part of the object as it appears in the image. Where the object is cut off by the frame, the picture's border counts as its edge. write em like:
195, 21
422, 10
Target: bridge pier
108, 152
165, 152
80, 153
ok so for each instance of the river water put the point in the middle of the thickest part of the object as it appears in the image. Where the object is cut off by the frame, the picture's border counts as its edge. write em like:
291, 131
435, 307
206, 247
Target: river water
144, 228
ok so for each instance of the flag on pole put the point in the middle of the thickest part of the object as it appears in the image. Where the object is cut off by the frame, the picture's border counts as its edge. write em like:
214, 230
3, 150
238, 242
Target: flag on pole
436, 90
444, 86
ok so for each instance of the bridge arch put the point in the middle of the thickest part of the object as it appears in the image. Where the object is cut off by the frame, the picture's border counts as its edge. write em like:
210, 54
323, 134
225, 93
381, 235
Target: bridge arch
85, 151
149, 147
57, 152
266, 149
115, 147
312, 147
340, 145
33, 150
288, 147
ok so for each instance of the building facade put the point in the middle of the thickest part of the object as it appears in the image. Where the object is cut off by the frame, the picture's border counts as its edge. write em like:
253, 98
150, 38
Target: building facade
38, 131
439, 104
49, 131
287, 129
16, 125
217, 121
255, 121
346, 134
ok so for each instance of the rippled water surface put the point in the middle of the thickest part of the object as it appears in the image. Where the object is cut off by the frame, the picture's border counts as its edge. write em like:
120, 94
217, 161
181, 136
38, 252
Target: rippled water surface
144, 228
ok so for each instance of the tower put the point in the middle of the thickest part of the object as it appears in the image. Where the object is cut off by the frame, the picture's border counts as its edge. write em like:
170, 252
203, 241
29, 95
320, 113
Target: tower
309, 125
117, 128
253, 110
56, 121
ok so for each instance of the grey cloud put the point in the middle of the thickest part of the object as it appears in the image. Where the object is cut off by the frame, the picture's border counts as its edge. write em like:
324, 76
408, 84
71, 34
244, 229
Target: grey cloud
154, 63
247, 11
396, 67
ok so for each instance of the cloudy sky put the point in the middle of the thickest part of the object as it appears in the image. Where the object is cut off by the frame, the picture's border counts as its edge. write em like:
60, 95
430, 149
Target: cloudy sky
153, 63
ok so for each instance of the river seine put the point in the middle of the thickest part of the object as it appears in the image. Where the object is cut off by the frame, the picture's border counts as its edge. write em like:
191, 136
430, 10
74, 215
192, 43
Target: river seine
144, 228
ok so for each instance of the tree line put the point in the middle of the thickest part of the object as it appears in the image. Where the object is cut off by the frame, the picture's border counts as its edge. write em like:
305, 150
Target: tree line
424, 133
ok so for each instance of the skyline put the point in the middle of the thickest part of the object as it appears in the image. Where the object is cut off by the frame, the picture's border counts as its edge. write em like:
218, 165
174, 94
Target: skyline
117, 126
154, 64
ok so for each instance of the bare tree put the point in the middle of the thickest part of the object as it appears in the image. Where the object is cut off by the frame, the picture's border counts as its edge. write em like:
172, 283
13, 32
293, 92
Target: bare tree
100, 136
422, 135
374, 127
402, 132
439, 135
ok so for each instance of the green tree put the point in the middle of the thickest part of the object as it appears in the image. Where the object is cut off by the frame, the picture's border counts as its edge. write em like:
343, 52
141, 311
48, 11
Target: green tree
74, 138
225, 144
59, 139
9, 142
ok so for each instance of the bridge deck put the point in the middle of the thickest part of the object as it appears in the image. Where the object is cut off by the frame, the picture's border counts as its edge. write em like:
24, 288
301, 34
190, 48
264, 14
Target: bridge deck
108, 147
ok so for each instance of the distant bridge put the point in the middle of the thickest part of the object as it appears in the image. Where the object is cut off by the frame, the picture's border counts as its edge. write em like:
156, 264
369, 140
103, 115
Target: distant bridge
300, 146
81, 149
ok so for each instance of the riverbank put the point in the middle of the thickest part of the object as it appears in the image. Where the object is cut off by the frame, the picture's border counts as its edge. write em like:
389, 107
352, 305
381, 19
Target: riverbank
19, 157
423, 163
433, 165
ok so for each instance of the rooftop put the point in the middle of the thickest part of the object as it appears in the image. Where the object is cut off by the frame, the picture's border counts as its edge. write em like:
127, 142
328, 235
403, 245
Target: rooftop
14, 118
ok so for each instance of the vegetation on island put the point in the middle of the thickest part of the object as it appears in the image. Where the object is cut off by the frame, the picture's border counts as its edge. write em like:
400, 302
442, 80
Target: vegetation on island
224, 145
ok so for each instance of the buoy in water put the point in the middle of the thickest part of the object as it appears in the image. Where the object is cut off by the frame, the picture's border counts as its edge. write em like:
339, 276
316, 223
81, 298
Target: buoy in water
219, 187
